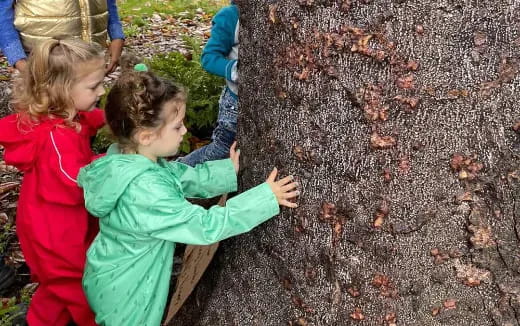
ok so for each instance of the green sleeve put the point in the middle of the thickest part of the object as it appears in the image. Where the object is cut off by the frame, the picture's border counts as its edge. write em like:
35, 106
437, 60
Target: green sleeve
165, 214
206, 180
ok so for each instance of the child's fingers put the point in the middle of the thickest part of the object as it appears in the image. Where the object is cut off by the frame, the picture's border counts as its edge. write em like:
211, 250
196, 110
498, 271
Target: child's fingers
291, 194
233, 147
285, 180
287, 203
272, 176
289, 186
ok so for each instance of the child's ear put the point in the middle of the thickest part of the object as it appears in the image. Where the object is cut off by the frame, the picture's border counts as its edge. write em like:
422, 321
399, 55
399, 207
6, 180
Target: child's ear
144, 137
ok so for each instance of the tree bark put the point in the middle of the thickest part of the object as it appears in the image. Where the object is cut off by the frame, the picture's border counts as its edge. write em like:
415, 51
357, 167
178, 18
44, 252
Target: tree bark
398, 119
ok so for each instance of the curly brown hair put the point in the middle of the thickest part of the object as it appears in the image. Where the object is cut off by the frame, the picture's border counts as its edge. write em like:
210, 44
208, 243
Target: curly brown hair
52, 69
136, 102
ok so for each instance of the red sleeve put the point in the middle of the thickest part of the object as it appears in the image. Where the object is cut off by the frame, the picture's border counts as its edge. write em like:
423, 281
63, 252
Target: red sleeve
19, 141
94, 119
63, 153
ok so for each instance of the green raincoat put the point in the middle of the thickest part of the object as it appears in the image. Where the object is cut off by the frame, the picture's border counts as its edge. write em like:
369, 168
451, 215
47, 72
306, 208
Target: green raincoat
143, 212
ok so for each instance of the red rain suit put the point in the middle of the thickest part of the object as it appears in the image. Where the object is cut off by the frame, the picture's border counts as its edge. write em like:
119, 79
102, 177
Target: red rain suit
52, 223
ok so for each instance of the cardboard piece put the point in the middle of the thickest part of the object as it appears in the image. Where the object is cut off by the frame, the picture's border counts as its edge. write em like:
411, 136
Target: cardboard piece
195, 261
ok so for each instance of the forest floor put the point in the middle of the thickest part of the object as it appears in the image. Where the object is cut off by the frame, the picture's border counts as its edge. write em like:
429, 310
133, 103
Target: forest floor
151, 28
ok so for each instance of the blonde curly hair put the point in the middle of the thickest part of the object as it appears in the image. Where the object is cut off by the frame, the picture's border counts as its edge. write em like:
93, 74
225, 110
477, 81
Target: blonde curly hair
53, 67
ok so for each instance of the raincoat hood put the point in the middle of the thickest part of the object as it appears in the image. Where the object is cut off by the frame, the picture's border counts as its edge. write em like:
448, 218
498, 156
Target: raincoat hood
107, 178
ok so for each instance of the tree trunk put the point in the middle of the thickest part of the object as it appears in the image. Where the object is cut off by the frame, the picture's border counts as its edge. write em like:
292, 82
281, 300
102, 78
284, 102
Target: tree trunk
398, 118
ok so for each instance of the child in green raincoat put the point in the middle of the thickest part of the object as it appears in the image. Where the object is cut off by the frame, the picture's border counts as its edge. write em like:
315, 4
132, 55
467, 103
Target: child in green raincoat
140, 200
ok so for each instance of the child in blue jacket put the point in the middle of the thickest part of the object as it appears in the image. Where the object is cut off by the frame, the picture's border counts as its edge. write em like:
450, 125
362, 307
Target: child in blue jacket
220, 57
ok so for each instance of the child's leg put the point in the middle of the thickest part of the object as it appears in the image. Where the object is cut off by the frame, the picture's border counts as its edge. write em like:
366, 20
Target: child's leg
223, 135
46, 309
56, 258
72, 295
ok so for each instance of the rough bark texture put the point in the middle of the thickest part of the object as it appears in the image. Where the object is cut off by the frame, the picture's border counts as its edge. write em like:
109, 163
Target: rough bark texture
398, 119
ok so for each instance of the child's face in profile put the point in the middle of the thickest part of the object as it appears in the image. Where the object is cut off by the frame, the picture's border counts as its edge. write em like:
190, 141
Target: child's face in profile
88, 87
170, 136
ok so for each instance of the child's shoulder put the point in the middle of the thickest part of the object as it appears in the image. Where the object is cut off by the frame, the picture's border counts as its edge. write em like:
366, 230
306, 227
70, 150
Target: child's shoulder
21, 125
227, 13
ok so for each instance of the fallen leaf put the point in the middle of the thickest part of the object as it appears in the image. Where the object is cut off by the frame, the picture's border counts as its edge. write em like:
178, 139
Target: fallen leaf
404, 164
304, 75
457, 161
353, 291
412, 65
363, 41
450, 304
465, 196
272, 13
482, 236
463, 174
391, 319
378, 221
3, 218
387, 175
357, 314
7, 186
328, 211
382, 142
405, 82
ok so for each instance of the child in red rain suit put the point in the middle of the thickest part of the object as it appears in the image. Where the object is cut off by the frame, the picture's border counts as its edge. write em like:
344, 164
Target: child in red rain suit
48, 139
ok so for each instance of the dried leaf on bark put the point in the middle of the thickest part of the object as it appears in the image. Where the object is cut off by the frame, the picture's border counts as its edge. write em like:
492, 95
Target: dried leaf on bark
470, 275
272, 13
381, 214
357, 314
353, 291
482, 236
450, 304
382, 142
328, 211
405, 82
391, 319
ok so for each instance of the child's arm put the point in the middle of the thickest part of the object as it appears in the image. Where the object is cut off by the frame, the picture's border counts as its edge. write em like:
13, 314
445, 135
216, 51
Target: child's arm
220, 44
94, 119
206, 180
163, 214
10, 42
115, 29
59, 161
117, 36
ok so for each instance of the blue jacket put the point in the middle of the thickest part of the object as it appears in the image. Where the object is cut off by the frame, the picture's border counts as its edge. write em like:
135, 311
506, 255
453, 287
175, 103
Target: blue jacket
10, 42
220, 55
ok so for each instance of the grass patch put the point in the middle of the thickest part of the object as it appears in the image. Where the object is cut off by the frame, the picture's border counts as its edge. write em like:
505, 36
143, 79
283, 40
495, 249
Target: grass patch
170, 7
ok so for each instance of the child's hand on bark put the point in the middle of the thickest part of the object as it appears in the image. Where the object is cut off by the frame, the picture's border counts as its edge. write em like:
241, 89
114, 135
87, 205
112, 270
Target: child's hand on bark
284, 189
234, 155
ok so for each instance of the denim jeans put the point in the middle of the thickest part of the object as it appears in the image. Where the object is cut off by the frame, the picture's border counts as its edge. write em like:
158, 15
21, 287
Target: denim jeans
223, 134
